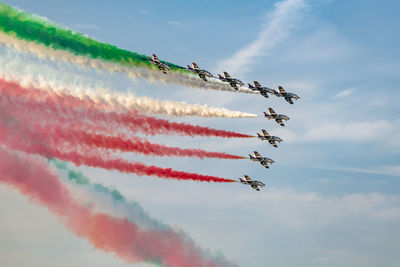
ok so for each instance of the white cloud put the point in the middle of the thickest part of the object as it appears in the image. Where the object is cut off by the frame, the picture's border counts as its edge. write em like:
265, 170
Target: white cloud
352, 131
343, 93
303, 210
280, 22
392, 170
175, 23
345, 132
280, 216
276, 216
324, 45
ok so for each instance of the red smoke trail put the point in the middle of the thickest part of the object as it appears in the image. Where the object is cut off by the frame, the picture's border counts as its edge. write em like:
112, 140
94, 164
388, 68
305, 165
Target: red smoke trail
77, 109
135, 144
21, 138
74, 132
120, 236
60, 127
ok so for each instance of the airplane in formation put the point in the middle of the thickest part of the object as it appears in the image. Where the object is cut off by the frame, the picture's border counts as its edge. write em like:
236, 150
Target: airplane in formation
254, 184
263, 160
288, 96
203, 74
271, 139
264, 91
161, 66
256, 86
235, 83
277, 117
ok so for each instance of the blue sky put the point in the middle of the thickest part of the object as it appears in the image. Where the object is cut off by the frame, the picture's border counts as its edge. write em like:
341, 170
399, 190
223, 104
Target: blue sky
332, 198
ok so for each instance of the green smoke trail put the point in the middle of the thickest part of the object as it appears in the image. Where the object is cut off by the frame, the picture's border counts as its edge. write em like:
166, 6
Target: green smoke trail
33, 29
134, 210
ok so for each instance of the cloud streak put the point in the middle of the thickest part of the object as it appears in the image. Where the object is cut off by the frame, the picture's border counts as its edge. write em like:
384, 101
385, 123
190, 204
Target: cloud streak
279, 24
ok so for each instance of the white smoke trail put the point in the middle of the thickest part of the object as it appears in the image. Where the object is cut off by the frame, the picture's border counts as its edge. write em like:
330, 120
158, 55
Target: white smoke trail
152, 74
14, 69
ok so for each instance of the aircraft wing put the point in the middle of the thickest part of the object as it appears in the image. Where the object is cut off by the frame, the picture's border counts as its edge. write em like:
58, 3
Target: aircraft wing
203, 77
288, 99
255, 187
272, 142
257, 84
257, 154
265, 164
234, 85
165, 66
264, 94
227, 75
265, 132
280, 122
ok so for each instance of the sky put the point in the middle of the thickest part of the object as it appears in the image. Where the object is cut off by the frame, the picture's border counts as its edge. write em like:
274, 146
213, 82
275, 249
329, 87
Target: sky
331, 199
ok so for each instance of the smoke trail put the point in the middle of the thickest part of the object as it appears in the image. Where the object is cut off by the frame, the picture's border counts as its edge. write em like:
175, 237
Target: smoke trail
55, 132
120, 236
110, 100
105, 197
71, 110
21, 138
117, 143
28, 33
14, 68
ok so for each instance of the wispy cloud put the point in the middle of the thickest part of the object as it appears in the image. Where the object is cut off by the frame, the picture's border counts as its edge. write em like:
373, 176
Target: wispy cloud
348, 132
391, 170
344, 93
278, 26
175, 23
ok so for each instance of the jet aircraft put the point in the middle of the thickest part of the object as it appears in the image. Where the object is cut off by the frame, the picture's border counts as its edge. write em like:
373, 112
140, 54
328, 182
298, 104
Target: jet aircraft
203, 74
288, 96
271, 139
161, 66
235, 83
277, 117
264, 91
263, 160
253, 184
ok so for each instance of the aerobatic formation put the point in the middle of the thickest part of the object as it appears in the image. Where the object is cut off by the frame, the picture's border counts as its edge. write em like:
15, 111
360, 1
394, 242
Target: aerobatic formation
42, 120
